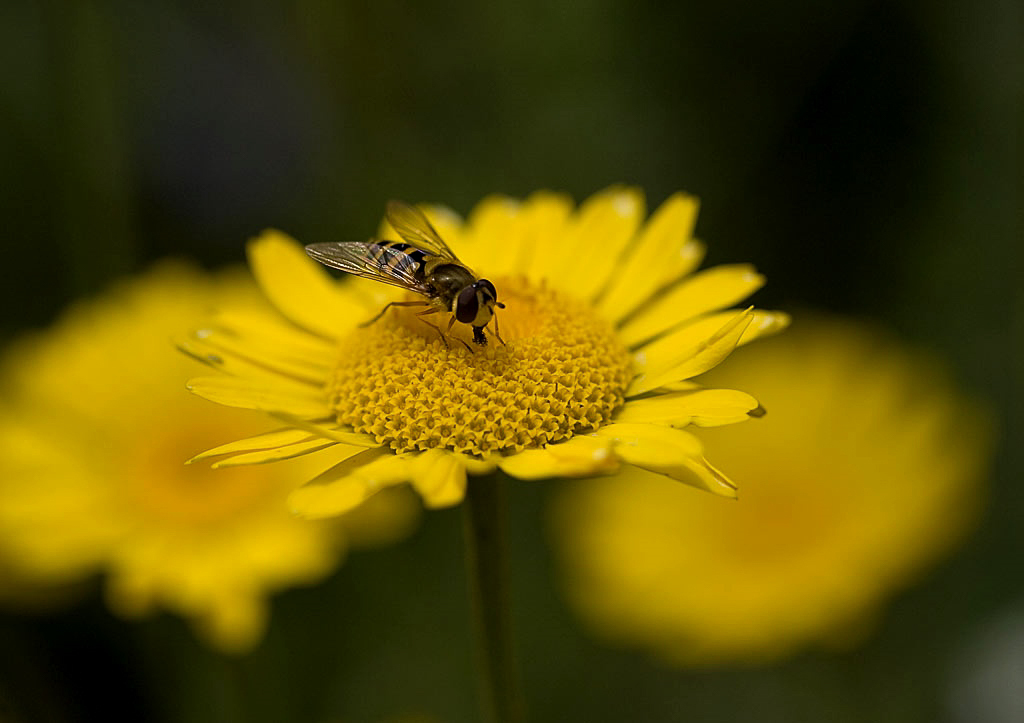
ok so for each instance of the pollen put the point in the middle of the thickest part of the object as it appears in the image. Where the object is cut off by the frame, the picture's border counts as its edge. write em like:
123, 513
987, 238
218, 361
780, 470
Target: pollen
562, 371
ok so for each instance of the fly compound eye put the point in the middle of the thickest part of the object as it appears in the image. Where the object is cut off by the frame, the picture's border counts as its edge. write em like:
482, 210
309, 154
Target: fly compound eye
488, 288
466, 305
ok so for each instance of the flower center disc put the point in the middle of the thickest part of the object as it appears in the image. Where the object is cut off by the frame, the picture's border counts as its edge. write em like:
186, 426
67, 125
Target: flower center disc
562, 371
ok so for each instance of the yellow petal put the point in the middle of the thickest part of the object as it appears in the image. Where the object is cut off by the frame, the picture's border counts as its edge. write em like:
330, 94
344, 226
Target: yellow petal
714, 479
344, 435
764, 323
299, 288
368, 296
668, 451
439, 476
229, 355
672, 348
269, 329
289, 451
198, 349
585, 257
704, 356
662, 253
304, 361
709, 290
680, 386
634, 435
703, 407
480, 466
262, 394
544, 218
346, 484
494, 236
269, 440
579, 457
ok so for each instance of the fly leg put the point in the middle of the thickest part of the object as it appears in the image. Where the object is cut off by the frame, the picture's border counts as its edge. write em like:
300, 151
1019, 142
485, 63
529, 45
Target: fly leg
451, 323
435, 310
495, 332
394, 303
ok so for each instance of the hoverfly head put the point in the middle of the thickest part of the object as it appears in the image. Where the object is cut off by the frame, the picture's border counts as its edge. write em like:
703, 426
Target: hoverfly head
475, 306
489, 293
475, 303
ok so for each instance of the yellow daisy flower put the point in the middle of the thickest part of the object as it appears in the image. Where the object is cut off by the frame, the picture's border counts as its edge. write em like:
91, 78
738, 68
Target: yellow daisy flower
604, 323
91, 476
866, 470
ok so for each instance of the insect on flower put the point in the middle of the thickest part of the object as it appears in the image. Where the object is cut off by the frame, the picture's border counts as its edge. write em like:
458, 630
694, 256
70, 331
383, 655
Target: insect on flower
422, 263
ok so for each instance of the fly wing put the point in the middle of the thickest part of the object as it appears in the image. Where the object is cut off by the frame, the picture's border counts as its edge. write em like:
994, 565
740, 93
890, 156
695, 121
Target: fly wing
415, 229
373, 261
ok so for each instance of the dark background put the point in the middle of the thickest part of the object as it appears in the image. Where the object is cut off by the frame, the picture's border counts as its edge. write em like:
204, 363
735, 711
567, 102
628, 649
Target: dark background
862, 154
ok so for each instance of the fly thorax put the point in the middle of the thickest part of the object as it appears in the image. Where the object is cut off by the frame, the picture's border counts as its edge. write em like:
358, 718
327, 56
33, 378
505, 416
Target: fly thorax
448, 280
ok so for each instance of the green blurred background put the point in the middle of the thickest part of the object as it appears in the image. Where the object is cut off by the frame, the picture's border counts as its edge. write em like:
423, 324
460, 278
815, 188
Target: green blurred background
862, 154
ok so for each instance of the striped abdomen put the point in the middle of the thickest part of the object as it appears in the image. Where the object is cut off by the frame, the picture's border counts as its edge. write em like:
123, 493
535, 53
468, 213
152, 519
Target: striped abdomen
403, 258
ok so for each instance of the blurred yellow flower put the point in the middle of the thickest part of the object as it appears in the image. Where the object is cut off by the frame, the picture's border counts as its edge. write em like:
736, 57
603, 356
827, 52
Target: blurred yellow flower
604, 323
93, 433
867, 468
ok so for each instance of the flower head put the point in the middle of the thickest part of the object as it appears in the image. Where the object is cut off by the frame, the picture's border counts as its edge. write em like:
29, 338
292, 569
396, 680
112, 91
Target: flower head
866, 469
92, 480
604, 323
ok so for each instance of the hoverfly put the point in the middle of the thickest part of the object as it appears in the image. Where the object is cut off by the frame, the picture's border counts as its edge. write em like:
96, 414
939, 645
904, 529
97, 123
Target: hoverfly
423, 263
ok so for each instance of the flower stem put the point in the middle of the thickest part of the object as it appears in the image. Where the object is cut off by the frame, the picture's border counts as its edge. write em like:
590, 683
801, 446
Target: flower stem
488, 582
